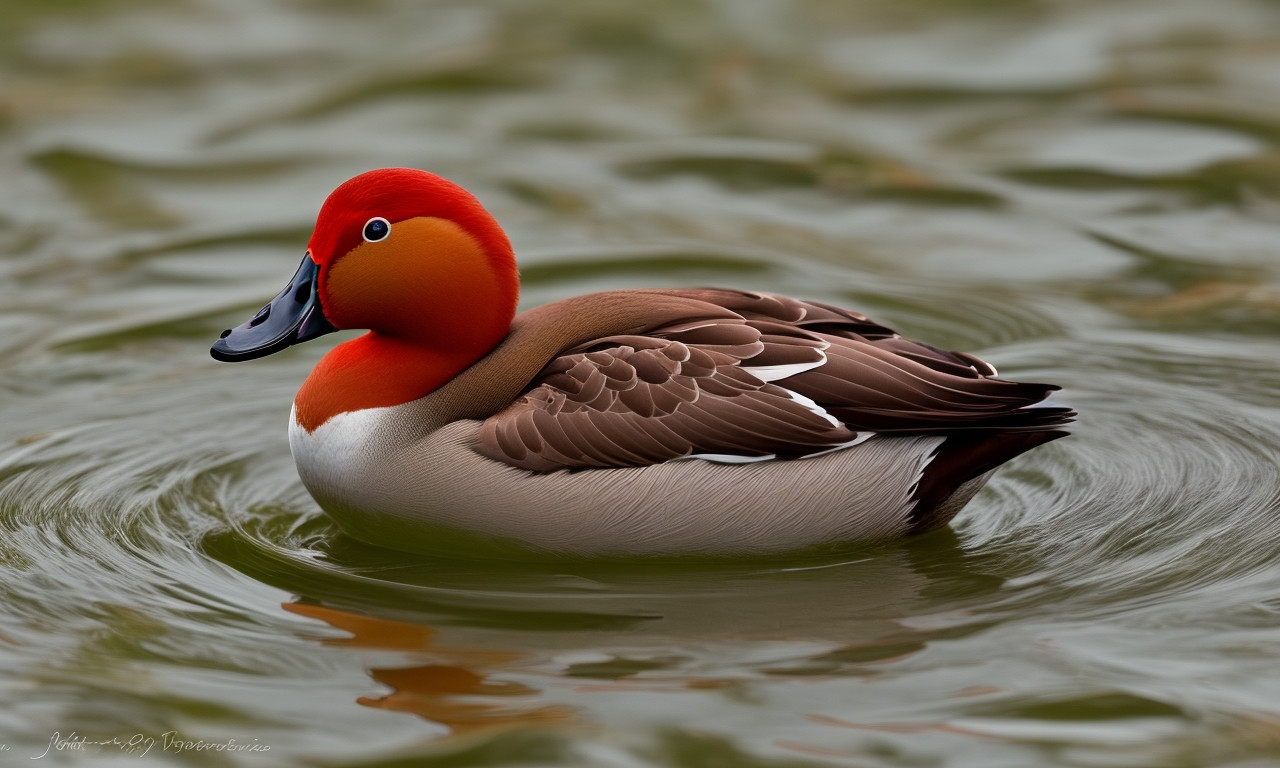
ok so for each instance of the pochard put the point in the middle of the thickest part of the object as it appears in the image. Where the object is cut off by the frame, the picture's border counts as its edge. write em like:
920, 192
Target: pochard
624, 423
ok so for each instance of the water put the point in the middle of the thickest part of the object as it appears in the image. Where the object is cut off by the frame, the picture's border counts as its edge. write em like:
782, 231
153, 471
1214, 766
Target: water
1083, 193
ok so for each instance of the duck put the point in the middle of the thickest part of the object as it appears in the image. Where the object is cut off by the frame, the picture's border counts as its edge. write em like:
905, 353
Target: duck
636, 422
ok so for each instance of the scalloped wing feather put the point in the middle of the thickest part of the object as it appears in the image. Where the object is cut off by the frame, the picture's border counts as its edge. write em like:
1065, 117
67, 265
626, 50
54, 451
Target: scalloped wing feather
706, 387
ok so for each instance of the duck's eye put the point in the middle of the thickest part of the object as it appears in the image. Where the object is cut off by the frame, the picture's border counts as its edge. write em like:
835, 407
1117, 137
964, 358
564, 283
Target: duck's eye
376, 229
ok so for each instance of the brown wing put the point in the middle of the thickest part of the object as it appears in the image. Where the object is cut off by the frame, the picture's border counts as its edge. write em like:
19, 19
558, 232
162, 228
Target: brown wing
636, 400
873, 379
705, 387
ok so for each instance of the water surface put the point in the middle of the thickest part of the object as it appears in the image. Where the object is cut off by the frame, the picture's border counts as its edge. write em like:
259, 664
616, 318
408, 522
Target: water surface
1084, 193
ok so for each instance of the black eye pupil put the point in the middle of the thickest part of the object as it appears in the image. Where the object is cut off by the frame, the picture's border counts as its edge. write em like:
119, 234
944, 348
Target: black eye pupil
376, 229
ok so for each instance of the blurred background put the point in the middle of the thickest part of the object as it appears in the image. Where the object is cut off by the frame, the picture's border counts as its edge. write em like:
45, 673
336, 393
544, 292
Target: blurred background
1085, 193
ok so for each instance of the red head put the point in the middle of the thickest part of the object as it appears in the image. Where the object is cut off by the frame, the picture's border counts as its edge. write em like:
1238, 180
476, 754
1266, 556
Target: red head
443, 273
411, 257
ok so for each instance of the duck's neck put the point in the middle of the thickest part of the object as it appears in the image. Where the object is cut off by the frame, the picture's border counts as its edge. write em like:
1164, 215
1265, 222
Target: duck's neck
376, 371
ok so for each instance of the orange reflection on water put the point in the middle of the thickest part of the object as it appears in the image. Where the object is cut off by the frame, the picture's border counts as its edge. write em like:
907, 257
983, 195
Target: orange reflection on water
458, 690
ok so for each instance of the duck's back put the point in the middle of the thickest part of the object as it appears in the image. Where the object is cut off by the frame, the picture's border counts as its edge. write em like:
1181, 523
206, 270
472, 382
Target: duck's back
779, 377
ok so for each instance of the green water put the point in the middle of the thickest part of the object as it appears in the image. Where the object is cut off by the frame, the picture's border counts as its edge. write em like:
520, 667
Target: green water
1085, 193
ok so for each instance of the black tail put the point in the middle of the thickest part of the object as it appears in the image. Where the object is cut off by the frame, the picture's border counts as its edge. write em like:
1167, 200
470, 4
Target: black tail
961, 458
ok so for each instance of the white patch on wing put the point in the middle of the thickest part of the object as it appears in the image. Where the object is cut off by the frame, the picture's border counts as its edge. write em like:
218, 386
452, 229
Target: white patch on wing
778, 372
859, 440
726, 458
812, 406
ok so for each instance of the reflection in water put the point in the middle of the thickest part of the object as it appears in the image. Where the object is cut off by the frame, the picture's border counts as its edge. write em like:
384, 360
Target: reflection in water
456, 691
809, 623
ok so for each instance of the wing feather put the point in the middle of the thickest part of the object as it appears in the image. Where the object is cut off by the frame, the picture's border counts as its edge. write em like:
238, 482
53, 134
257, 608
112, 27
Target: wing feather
687, 388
